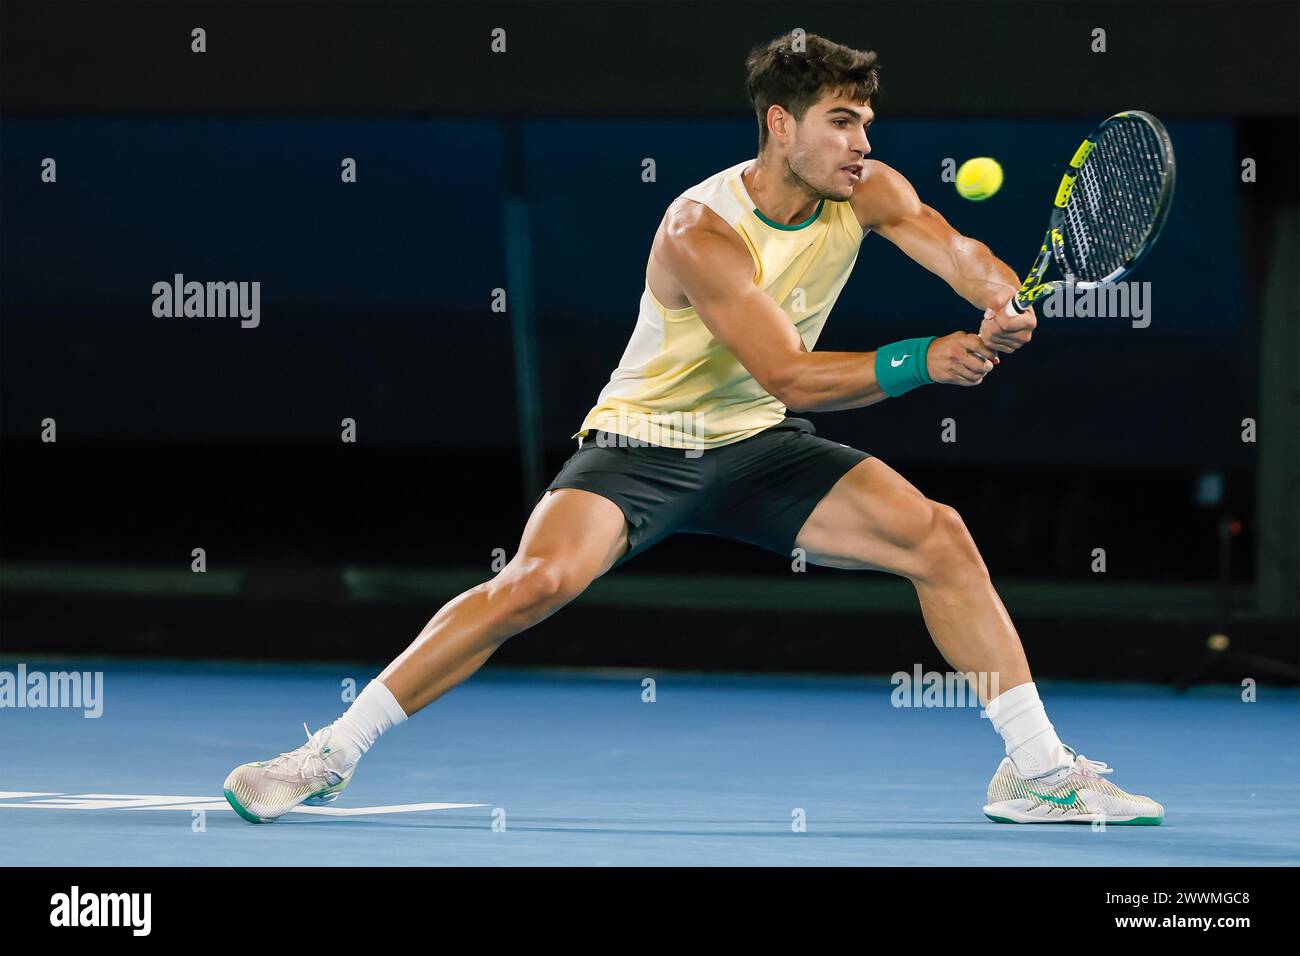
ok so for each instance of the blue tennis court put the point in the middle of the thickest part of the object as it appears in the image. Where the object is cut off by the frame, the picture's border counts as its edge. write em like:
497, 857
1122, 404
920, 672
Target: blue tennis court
535, 767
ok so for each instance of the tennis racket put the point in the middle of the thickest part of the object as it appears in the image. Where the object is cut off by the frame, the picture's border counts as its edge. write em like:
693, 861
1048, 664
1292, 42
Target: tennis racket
1110, 207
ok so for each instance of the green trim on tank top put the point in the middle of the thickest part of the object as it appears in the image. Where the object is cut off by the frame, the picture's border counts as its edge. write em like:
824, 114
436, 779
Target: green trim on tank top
807, 222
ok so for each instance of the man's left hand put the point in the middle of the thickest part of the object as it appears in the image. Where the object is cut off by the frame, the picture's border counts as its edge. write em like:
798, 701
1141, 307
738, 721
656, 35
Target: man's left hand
1005, 330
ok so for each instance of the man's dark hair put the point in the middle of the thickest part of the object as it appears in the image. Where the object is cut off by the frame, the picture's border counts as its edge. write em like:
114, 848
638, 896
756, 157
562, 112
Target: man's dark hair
796, 80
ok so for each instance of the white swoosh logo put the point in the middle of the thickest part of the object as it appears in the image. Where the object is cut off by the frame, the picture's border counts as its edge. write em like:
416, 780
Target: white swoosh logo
894, 363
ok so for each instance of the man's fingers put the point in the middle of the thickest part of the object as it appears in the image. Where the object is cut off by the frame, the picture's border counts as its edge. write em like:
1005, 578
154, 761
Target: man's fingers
1013, 339
967, 358
969, 368
974, 343
1016, 323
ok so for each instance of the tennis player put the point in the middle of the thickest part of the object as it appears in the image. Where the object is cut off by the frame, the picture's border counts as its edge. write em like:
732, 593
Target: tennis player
692, 434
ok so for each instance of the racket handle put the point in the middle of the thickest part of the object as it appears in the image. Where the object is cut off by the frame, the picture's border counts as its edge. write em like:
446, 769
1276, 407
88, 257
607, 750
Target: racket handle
1013, 308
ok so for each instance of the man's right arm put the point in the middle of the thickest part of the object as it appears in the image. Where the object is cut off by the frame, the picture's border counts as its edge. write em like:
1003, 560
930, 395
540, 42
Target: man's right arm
716, 273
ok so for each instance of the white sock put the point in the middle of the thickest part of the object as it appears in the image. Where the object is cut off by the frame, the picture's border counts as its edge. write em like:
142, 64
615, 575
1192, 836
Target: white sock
374, 711
1032, 744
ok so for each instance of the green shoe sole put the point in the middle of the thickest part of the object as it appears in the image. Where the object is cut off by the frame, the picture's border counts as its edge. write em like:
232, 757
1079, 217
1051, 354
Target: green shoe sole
1135, 822
241, 809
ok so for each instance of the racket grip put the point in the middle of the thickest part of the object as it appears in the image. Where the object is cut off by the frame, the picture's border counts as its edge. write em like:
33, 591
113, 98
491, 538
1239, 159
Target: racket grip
1013, 307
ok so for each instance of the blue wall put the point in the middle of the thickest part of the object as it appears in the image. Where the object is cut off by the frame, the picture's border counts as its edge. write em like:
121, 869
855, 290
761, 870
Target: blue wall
375, 296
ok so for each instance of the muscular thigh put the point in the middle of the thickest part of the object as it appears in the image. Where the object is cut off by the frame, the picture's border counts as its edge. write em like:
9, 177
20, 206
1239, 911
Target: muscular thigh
872, 518
578, 532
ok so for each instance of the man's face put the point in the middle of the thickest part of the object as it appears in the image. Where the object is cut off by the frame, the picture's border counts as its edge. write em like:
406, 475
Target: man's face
827, 146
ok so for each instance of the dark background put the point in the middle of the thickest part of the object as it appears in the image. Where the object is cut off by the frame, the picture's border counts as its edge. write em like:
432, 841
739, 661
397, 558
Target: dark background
177, 433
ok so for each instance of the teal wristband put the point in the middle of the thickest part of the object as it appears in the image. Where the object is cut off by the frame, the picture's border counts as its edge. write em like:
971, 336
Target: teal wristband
900, 366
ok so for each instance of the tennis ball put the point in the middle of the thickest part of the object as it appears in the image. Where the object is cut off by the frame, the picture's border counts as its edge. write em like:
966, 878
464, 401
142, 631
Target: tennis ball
979, 178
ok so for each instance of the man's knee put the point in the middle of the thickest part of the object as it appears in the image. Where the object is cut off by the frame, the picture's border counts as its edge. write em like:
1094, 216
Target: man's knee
534, 587
946, 549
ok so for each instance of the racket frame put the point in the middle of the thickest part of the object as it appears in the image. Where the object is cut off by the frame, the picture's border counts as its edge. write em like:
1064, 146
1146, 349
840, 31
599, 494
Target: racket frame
1053, 247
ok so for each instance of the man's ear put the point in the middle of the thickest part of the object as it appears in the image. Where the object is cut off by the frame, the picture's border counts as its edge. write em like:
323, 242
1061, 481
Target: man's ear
778, 122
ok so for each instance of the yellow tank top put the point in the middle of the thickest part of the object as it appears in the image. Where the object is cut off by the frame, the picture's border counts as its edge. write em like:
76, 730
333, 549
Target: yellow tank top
675, 384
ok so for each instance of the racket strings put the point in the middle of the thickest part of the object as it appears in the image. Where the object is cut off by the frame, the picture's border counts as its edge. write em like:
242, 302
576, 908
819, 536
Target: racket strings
1115, 201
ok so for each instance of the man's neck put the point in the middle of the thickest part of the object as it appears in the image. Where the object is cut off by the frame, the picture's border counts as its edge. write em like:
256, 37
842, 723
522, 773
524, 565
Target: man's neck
777, 199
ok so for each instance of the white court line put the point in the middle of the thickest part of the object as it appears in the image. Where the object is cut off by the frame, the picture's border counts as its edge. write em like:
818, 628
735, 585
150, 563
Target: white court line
143, 801
398, 808
7, 794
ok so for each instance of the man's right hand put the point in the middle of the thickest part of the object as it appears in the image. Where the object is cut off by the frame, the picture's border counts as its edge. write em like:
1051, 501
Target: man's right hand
959, 359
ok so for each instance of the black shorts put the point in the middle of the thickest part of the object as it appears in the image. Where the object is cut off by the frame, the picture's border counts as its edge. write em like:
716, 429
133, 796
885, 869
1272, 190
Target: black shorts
760, 489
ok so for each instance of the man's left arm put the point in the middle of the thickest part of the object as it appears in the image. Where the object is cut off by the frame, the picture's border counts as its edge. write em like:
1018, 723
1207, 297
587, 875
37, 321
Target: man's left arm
886, 203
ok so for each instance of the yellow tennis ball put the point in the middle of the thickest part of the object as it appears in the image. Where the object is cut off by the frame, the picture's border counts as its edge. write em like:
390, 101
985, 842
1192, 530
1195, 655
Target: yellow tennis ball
979, 178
